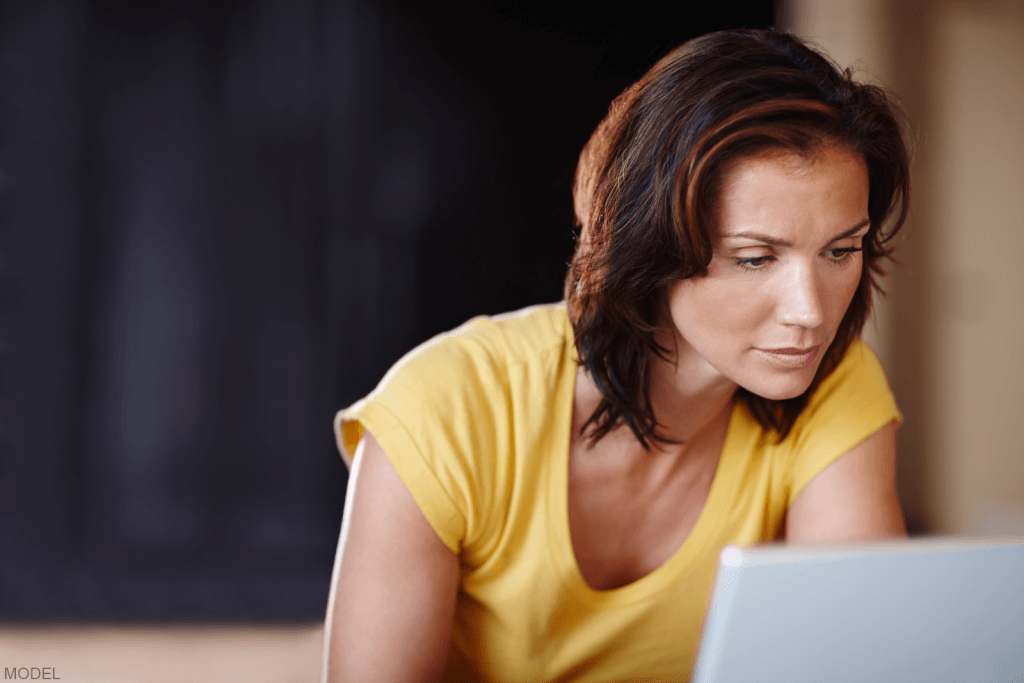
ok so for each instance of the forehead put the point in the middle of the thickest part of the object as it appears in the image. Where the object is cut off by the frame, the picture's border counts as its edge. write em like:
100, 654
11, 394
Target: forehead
786, 193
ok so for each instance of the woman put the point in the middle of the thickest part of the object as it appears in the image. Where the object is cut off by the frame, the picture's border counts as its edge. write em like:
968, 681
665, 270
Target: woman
543, 495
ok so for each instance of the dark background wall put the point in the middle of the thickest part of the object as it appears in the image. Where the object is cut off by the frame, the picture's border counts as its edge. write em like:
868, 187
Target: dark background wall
222, 221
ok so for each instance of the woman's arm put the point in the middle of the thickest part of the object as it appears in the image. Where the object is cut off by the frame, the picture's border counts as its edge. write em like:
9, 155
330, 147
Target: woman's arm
392, 600
854, 498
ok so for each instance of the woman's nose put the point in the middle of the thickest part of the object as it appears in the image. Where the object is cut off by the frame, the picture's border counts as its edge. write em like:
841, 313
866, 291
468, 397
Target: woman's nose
800, 300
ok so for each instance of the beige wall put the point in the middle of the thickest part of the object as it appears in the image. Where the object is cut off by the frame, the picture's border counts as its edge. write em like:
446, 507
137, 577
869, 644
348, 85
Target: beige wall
952, 333
138, 653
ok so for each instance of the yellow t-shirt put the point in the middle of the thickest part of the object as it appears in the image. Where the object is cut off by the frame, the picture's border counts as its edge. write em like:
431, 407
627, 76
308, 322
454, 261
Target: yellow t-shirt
476, 422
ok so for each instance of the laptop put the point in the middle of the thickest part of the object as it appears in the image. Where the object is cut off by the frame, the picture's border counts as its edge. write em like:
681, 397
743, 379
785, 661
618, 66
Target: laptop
929, 610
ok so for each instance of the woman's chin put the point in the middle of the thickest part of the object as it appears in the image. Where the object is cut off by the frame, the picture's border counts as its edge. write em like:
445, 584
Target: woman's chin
783, 388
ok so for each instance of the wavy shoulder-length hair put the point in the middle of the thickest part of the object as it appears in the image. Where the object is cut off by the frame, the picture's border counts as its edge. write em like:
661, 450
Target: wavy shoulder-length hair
647, 185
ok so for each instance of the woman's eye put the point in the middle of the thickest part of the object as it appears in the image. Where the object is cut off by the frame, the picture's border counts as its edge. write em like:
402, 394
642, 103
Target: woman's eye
753, 262
841, 255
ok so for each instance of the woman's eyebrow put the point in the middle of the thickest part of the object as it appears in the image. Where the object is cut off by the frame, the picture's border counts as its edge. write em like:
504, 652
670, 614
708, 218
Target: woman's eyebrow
852, 231
775, 242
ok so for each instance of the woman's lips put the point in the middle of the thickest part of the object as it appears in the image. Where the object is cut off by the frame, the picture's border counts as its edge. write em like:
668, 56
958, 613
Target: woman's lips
791, 357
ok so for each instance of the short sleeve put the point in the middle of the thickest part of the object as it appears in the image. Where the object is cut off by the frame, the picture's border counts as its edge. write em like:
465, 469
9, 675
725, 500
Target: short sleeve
850, 405
436, 414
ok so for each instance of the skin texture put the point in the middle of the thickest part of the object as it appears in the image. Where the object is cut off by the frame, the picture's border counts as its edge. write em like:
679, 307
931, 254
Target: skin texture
779, 278
792, 293
395, 583
392, 601
759, 296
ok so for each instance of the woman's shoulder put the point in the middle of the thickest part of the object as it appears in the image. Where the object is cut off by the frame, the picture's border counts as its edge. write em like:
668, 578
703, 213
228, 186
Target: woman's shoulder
482, 350
446, 416
849, 405
518, 336
466, 374
858, 385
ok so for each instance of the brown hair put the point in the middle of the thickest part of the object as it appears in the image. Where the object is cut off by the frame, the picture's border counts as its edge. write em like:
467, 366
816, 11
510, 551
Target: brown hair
648, 181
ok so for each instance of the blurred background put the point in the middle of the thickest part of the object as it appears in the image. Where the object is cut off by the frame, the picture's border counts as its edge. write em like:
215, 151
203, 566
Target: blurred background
220, 222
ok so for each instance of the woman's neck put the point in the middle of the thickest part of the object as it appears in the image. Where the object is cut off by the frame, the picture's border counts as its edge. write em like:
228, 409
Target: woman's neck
688, 395
690, 399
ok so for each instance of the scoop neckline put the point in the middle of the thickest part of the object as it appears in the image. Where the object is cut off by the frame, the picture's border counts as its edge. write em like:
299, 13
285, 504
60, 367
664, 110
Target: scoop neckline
681, 562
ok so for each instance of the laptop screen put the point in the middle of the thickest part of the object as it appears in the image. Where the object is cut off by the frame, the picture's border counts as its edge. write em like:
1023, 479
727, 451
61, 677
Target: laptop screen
939, 609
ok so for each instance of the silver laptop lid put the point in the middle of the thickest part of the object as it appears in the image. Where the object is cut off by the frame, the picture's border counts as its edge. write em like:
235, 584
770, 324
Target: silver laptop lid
929, 610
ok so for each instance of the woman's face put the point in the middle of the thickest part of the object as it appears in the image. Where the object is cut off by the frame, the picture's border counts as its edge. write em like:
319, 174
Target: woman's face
786, 264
